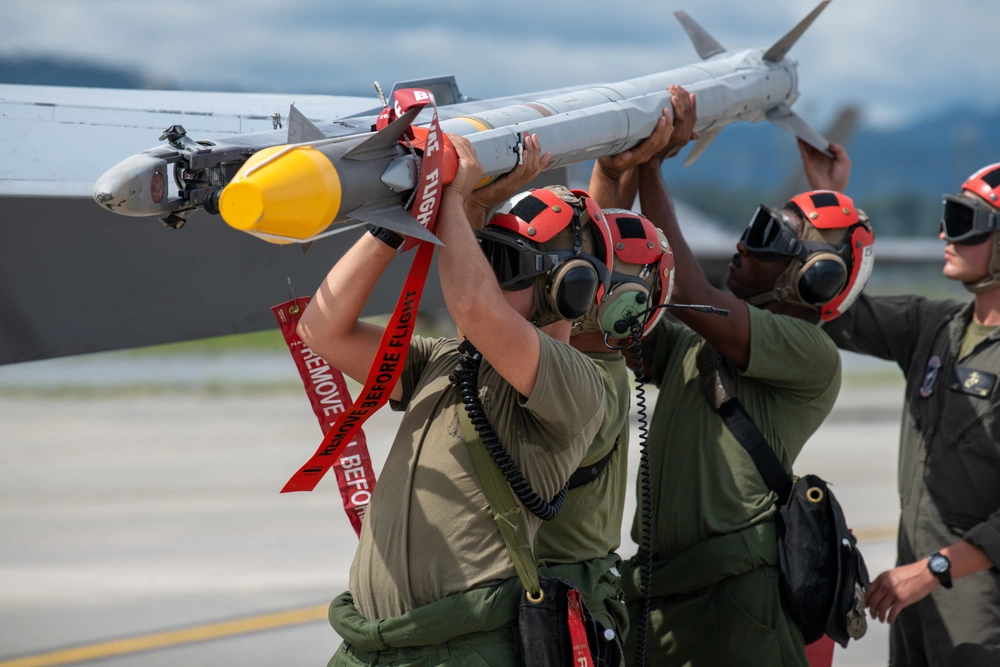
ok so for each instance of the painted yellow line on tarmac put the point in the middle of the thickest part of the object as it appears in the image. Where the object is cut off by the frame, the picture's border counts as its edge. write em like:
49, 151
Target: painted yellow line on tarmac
198, 633
242, 626
883, 533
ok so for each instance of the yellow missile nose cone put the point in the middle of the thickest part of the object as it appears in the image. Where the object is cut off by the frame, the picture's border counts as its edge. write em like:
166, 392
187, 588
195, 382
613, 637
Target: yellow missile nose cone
242, 205
292, 192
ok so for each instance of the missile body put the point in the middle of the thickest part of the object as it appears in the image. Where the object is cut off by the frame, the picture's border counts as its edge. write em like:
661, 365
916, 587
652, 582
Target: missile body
607, 119
279, 191
290, 188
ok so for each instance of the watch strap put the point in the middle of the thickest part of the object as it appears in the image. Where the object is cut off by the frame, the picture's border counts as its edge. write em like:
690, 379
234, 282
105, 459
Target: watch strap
386, 236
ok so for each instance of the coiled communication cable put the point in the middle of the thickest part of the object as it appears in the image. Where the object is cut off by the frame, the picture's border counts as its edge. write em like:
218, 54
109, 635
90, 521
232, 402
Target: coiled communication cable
636, 324
467, 379
645, 555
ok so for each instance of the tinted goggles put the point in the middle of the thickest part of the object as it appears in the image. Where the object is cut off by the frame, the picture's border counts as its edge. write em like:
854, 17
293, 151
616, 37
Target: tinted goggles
516, 263
967, 221
771, 237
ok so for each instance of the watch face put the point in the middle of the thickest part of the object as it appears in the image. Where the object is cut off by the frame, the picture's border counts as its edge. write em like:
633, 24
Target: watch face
938, 564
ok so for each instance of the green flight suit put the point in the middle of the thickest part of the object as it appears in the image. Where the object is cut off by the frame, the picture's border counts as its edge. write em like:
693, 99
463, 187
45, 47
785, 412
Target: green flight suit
580, 544
715, 598
432, 581
949, 468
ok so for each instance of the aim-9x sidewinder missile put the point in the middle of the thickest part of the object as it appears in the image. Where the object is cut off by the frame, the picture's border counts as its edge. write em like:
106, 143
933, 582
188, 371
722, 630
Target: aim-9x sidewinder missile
293, 190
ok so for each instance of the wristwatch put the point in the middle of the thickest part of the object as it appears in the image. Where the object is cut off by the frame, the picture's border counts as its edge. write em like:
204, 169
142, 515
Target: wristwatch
386, 236
940, 567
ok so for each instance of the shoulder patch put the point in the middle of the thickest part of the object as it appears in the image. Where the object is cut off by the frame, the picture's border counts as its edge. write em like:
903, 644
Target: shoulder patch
930, 375
973, 382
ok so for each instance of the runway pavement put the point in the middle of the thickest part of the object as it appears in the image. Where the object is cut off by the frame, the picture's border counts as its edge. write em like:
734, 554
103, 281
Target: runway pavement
129, 515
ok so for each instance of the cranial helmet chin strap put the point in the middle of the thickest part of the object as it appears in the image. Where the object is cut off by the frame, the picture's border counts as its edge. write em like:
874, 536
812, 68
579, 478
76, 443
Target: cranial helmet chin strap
542, 313
765, 298
992, 279
784, 289
778, 294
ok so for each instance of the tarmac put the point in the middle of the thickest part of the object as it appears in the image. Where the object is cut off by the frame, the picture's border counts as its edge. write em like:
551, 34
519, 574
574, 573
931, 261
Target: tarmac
144, 528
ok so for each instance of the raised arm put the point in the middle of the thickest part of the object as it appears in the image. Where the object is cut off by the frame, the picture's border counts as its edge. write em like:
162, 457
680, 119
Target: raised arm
886, 327
729, 335
480, 310
614, 182
330, 325
824, 172
610, 172
485, 199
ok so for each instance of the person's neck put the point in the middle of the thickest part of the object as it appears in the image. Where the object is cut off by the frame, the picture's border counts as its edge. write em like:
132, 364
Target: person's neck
592, 341
558, 330
986, 308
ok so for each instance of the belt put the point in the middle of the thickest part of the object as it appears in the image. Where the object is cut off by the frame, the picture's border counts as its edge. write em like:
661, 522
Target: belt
707, 563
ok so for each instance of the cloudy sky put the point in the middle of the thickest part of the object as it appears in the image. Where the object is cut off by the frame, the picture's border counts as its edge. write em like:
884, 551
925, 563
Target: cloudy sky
902, 59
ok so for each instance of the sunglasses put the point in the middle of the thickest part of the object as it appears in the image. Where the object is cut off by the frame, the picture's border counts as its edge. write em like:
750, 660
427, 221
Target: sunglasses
771, 237
966, 221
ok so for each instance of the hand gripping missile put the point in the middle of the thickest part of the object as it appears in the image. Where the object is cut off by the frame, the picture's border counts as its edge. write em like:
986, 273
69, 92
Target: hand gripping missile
295, 191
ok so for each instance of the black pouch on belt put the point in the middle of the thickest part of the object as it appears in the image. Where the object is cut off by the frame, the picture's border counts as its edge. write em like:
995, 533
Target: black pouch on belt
543, 626
823, 577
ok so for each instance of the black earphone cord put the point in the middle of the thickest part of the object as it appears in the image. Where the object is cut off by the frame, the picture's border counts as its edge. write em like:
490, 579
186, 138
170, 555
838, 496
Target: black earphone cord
636, 325
466, 379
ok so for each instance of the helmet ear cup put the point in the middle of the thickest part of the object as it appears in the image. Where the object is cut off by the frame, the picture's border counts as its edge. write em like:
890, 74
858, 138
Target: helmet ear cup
624, 301
821, 278
573, 289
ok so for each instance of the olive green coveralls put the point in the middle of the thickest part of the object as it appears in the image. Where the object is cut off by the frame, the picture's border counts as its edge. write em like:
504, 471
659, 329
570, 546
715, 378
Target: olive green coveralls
949, 468
477, 627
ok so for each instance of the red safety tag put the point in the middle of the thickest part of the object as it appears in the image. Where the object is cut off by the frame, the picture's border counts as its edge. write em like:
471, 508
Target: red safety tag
327, 391
395, 344
577, 632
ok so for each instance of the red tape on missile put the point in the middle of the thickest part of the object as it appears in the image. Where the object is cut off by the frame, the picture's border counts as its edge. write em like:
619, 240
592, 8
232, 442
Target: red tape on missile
395, 344
327, 391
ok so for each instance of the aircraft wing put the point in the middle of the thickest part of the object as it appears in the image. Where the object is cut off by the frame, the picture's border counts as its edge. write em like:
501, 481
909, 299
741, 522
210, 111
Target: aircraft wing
58, 141
75, 278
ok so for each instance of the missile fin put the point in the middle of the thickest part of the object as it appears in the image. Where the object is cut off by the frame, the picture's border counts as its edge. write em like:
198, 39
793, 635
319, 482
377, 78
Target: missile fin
785, 44
707, 137
704, 43
791, 122
840, 131
384, 139
301, 129
394, 217
444, 88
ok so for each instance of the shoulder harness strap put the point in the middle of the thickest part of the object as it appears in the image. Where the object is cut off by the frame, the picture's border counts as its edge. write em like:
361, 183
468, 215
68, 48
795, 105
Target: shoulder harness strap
720, 392
506, 511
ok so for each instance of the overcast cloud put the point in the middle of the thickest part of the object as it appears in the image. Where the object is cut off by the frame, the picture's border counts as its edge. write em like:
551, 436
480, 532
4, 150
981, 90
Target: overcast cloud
900, 58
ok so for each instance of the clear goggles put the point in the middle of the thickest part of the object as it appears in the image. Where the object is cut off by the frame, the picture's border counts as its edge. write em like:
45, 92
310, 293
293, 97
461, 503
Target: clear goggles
771, 237
967, 221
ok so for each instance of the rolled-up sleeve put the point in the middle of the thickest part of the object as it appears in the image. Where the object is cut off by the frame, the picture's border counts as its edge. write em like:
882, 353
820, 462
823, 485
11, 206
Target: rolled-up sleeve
568, 398
420, 352
791, 354
986, 536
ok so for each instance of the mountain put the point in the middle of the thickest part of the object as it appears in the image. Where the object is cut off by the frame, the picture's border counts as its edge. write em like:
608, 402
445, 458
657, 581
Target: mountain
926, 158
54, 71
